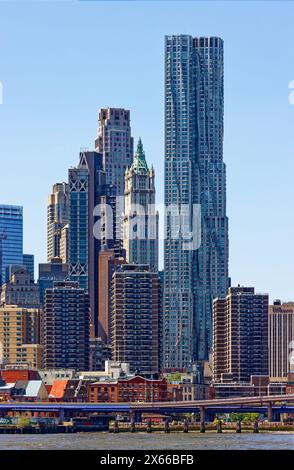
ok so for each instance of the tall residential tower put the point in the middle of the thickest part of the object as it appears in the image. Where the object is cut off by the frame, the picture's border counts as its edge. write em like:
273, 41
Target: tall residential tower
281, 340
240, 335
66, 327
195, 180
136, 318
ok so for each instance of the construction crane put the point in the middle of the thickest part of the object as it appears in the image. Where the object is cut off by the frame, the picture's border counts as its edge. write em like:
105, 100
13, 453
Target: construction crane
3, 236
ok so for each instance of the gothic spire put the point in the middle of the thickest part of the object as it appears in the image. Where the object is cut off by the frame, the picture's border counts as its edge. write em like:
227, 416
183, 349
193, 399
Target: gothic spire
139, 164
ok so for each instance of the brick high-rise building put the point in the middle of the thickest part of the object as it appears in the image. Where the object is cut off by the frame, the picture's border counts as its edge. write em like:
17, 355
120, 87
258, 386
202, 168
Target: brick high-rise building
281, 337
66, 327
136, 318
240, 335
20, 335
108, 262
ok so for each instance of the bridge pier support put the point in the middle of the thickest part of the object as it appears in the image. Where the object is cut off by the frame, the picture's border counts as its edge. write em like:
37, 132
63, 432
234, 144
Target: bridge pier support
202, 414
219, 426
149, 427
132, 422
202, 419
202, 427
186, 426
270, 412
166, 426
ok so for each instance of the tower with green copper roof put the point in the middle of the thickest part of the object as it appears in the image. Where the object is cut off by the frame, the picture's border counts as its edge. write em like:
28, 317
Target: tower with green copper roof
140, 217
139, 164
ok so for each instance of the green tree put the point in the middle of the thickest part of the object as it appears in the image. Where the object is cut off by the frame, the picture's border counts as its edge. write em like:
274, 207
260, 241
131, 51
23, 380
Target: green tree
176, 377
244, 417
23, 422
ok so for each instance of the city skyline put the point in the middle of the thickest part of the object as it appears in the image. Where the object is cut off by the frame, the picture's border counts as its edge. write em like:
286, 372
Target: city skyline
253, 107
146, 220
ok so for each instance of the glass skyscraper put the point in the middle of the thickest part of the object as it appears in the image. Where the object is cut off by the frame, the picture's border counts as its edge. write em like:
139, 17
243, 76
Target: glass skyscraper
11, 237
78, 223
29, 264
86, 188
195, 177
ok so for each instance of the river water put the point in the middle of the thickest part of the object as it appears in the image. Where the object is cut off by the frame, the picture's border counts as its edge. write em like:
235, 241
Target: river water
144, 441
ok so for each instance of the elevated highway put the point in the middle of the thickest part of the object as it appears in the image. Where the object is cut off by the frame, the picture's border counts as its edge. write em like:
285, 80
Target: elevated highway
272, 405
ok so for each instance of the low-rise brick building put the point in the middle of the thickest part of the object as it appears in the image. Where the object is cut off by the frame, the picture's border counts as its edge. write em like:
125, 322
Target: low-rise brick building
133, 389
103, 392
141, 389
10, 375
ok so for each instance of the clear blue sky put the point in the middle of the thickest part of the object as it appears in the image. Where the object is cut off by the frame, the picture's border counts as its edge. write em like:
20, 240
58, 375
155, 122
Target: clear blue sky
61, 61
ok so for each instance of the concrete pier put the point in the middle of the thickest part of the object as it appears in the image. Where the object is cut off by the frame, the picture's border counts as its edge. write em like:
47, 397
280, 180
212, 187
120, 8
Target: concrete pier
166, 426
219, 426
116, 427
149, 427
270, 412
132, 422
255, 426
186, 426
202, 414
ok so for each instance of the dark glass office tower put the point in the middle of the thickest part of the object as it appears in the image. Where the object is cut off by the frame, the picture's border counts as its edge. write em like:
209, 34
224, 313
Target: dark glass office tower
86, 187
195, 178
29, 264
11, 238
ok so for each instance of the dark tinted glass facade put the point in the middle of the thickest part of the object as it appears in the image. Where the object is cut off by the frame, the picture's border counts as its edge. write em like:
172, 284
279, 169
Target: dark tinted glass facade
11, 233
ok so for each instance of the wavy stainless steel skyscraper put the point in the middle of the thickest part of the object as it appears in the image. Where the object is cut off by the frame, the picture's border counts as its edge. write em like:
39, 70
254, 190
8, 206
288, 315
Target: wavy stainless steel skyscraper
195, 177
